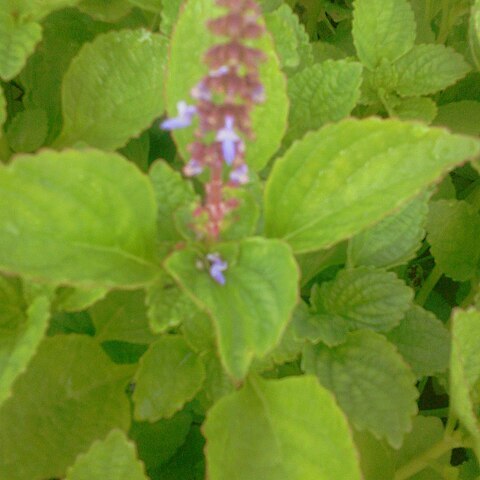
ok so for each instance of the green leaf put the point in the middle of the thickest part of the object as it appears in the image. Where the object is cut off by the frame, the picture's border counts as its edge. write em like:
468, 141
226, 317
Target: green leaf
112, 89
3, 109
22, 329
169, 375
376, 456
382, 30
191, 39
289, 429
172, 191
114, 458
122, 316
353, 174
460, 117
252, 309
423, 341
78, 391
416, 108
157, 442
329, 329
170, 12
17, 42
168, 306
429, 68
325, 92
75, 299
366, 298
371, 382
465, 372
106, 10
453, 230
77, 217
154, 6
37, 9
394, 240
27, 130
474, 33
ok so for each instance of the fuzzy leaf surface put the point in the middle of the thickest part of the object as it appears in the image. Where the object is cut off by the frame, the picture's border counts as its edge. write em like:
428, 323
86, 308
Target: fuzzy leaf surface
114, 458
78, 390
366, 298
423, 341
191, 39
324, 92
345, 177
169, 375
371, 383
252, 309
249, 432
77, 217
429, 68
112, 89
394, 240
382, 30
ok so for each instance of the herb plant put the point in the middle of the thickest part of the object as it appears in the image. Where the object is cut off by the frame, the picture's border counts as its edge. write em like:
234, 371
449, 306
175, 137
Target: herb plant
239, 239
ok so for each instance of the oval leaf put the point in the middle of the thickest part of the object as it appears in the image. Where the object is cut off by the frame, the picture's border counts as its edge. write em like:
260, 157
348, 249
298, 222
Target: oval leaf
252, 309
347, 176
77, 217
289, 429
113, 89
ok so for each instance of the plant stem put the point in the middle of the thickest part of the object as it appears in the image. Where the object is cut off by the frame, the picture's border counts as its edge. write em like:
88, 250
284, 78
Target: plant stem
428, 285
435, 412
422, 461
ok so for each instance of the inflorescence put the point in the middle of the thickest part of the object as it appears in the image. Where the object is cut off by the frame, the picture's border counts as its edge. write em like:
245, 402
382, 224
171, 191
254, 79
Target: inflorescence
223, 103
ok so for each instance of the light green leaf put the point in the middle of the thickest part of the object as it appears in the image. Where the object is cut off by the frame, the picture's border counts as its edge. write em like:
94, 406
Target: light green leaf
122, 316
453, 231
37, 9
291, 41
252, 309
170, 12
460, 117
289, 429
154, 6
366, 298
76, 299
465, 372
347, 176
106, 10
474, 33
17, 42
394, 240
168, 306
376, 456
114, 458
327, 328
423, 341
191, 39
371, 382
112, 89
429, 68
382, 30
78, 390
416, 108
77, 217
169, 375
172, 191
21, 331
28, 130
325, 92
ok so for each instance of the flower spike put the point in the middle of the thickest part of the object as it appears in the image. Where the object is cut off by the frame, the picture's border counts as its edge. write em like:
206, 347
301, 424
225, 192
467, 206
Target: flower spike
183, 119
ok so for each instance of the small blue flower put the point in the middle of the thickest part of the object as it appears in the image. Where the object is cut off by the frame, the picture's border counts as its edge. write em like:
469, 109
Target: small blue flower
228, 139
192, 168
183, 119
217, 267
239, 175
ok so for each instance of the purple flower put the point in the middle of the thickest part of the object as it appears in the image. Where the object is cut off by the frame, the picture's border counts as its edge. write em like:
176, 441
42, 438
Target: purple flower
183, 119
192, 168
217, 267
228, 139
239, 175
219, 71
201, 92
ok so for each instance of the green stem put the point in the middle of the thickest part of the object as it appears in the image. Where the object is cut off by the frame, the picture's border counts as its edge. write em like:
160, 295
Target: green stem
445, 22
435, 412
417, 464
428, 285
